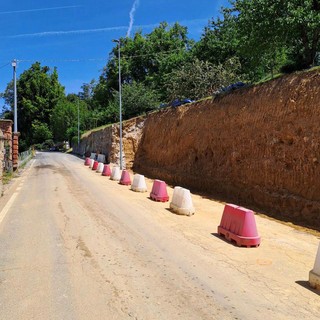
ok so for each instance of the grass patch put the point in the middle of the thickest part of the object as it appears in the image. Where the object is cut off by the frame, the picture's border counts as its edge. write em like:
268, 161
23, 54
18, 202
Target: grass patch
313, 69
269, 77
278, 75
24, 163
7, 177
204, 99
86, 134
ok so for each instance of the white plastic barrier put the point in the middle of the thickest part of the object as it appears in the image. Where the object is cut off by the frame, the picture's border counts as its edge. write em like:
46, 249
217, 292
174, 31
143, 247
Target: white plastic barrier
91, 163
100, 167
174, 200
115, 174
182, 202
314, 274
139, 183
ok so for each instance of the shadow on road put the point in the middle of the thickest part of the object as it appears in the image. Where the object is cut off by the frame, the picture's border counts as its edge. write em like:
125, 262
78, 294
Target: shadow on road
306, 285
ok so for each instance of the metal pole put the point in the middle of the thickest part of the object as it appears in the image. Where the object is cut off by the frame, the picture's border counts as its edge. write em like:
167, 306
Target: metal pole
120, 106
120, 102
78, 126
15, 119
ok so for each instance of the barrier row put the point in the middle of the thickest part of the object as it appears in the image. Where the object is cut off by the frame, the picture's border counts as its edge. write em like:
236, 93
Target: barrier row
237, 223
181, 200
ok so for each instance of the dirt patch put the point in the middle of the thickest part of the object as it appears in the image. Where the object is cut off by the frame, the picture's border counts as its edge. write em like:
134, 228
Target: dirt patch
45, 166
82, 246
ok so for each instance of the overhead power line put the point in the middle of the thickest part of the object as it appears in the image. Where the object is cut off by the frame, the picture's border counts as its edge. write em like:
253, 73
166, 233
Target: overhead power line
5, 65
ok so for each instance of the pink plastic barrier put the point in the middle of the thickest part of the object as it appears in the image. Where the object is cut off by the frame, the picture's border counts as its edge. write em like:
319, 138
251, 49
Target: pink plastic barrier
125, 178
239, 224
106, 171
87, 162
159, 191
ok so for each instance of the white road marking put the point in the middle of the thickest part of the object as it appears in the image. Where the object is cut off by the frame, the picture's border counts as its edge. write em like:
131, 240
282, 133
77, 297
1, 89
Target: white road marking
7, 207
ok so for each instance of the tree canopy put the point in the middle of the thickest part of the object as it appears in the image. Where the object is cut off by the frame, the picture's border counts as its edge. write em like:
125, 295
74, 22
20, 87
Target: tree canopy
38, 92
250, 40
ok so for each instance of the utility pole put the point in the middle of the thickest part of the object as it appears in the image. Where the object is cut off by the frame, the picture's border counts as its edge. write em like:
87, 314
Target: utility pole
15, 118
120, 102
15, 140
78, 125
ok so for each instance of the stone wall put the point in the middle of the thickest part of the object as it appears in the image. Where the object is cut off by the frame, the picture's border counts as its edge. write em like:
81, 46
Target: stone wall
1, 160
106, 141
6, 128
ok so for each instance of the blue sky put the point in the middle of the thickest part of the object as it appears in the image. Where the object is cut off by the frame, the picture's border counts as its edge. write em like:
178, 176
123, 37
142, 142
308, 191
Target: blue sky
76, 35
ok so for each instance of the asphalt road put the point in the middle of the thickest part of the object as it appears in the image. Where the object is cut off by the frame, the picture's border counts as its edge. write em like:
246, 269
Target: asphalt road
76, 245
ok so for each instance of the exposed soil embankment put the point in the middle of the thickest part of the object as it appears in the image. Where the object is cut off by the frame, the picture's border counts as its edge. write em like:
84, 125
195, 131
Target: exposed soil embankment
106, 141
257, 147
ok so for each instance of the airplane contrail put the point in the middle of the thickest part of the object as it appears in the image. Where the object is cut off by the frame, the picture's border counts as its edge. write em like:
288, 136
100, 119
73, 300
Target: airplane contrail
132, 12
75, 32
69, 32
107, 29
41, 9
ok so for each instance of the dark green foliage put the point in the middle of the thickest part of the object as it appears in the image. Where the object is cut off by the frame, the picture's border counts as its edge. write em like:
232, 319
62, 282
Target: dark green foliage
145, 59
136, 100
198, 79
265, 35
64, 118
40, 132
38, 93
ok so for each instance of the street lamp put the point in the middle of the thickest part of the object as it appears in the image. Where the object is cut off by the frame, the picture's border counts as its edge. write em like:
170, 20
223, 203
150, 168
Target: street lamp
15, 119
78, 124
120, 102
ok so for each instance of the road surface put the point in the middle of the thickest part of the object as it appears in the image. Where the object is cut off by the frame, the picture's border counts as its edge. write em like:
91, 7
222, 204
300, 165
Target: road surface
76, 245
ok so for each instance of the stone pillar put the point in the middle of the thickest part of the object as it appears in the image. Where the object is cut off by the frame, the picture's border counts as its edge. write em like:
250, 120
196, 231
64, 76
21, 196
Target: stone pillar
6, 127
15, 150
1, 160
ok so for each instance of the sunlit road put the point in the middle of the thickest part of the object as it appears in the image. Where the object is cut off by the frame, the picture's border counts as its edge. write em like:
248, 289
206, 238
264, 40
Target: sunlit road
76, 245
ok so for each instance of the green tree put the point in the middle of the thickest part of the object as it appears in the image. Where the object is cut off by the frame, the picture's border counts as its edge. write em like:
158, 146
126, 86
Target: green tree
40, 132
145, 59
87, 92
64, 118
267, 27
219, 41
199, 79
38, 91
136, 100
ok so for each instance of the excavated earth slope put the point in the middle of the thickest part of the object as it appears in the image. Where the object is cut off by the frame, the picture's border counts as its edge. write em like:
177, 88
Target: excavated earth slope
257, 147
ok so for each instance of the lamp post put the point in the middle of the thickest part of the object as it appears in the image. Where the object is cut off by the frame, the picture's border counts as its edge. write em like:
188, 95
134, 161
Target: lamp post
78, 125
15, 118
120, 102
